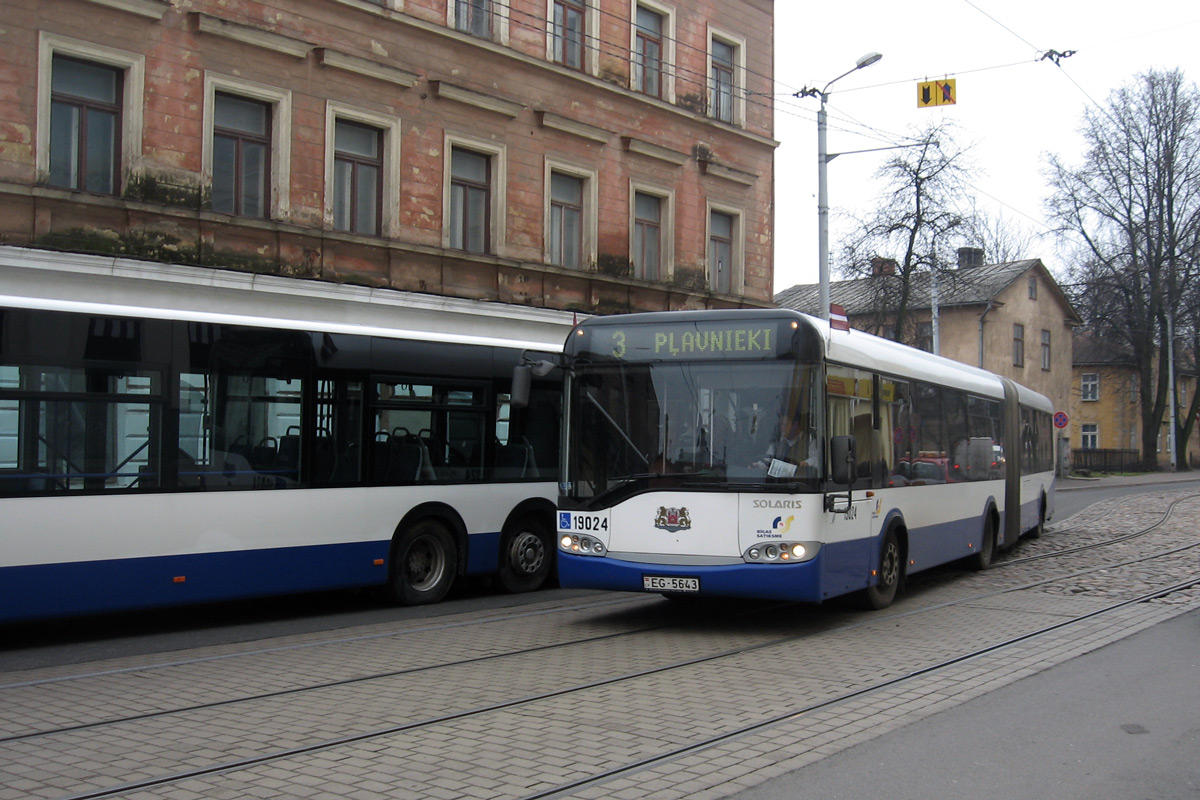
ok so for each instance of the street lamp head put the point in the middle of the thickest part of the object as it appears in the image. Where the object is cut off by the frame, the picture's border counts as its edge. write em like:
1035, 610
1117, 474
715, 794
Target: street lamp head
867, 60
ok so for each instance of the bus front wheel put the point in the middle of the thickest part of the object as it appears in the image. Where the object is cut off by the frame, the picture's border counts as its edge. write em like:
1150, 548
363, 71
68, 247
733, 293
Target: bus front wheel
526, 552
891, 569
423, 564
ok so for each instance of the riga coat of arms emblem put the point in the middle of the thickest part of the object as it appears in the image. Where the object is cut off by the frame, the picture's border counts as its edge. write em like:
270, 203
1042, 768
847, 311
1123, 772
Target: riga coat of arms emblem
672, 519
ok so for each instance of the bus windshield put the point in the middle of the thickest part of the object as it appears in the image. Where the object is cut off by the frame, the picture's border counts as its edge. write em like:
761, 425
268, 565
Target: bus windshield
741, 425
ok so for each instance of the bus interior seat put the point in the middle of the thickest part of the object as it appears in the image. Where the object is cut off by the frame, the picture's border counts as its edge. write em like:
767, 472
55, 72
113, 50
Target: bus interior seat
515, 460
288, 455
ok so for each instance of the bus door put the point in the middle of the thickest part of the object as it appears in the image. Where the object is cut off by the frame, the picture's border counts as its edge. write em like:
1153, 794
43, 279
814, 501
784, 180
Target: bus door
851, 550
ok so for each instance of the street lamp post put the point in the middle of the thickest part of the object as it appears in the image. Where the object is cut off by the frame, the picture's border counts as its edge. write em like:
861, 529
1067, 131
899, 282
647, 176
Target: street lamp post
823, 160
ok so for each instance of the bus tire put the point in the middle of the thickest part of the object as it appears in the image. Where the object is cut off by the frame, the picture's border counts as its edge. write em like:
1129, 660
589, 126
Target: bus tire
526, 555
987, 548
1037, 530
891, 571
423, 564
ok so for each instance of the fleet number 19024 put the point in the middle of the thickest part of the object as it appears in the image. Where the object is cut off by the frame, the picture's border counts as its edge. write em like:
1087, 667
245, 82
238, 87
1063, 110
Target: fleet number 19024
584, 523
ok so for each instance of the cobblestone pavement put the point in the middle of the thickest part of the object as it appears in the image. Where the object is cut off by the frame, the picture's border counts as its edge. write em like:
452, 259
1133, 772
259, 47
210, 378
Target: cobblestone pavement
500, 704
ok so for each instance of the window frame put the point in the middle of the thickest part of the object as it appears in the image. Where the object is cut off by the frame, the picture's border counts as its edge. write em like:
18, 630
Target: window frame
666, 42
1089, 430
737, 249
242, 139
1018, 346
1089, 387
1046, 350
554, 39
389, 190
84, 108
132, 89
357, 164
588, 231
498, 14
737, 73
497, 162
280, 103
666, 227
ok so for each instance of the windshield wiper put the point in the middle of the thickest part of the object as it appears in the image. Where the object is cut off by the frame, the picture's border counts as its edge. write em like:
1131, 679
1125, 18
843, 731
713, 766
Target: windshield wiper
645, 459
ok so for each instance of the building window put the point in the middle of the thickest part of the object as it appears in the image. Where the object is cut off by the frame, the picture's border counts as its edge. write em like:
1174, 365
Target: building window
924, 336
470, 201
1046, 350
648, 53
721, 229
1089, 437
1033, 287
720, 102
647, 236
1089, 387
568, 32
474, 17
1134, 391
1018, 345
85, 125
241, 156
357, 178
566, 220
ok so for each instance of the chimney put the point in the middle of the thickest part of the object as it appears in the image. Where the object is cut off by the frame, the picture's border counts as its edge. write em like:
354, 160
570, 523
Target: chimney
970, 257
883, 266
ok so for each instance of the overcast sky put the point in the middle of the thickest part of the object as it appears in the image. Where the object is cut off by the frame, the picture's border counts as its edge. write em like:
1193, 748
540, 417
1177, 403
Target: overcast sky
1012, 107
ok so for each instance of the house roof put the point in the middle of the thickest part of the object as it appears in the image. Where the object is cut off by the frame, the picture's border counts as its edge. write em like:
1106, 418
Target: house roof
966, 286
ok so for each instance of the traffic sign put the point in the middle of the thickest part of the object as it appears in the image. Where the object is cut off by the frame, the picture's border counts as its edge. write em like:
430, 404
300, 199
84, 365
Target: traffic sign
1061, 419
937, 93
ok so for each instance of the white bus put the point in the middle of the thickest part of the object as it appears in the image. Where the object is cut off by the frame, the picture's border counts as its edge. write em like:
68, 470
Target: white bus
175, 435
758, 454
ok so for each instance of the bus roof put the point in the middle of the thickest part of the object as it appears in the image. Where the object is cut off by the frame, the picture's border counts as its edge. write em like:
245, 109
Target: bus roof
858, 349
52, 281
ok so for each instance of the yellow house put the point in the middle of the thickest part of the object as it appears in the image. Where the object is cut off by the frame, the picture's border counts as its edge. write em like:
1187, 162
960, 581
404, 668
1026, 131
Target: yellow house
1106, 420
1010, 318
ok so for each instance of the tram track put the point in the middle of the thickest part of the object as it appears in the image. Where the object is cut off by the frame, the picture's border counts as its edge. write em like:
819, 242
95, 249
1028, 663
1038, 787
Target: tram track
528, 700
1166, 516
564, 790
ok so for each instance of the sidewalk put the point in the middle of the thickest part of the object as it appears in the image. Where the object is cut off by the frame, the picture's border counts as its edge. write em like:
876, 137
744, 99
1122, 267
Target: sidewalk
1143, 479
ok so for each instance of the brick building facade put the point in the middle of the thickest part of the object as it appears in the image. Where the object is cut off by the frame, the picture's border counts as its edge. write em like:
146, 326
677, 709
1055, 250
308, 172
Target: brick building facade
594, 155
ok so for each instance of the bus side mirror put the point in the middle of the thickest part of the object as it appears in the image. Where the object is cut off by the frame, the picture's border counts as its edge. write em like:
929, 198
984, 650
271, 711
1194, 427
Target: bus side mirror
843, 460
522, 379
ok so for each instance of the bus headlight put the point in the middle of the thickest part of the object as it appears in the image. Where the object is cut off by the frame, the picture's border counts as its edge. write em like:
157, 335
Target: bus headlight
781, 552
581, 545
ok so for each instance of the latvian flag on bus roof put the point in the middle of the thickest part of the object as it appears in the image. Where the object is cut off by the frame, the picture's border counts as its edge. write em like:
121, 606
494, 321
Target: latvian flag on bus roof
838, 320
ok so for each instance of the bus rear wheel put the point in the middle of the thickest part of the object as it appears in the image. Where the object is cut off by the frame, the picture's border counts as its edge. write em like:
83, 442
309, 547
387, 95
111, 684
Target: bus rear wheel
891, 570
987, 548
526, 554
423, 564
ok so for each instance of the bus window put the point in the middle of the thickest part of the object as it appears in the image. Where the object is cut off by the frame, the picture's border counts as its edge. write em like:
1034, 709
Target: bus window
527, 438
240, 420
428, 432
78, 429
337, 446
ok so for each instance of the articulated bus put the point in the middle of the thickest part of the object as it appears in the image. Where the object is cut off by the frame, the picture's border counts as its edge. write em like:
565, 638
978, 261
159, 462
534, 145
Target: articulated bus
174, 435
758, 454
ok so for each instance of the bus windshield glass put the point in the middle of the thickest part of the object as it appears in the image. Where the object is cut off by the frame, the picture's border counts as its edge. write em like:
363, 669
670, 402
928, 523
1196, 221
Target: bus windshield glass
739, 425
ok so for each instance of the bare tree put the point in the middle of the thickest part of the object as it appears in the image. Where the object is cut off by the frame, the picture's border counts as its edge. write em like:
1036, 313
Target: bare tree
916, 227
1001, 238
1134, 206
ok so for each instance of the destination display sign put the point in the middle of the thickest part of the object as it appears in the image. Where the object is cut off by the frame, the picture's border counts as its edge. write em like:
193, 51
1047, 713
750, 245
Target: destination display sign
688, 341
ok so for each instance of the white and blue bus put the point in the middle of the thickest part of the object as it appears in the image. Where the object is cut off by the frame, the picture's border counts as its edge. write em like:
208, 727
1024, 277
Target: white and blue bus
757, 454
175, 435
